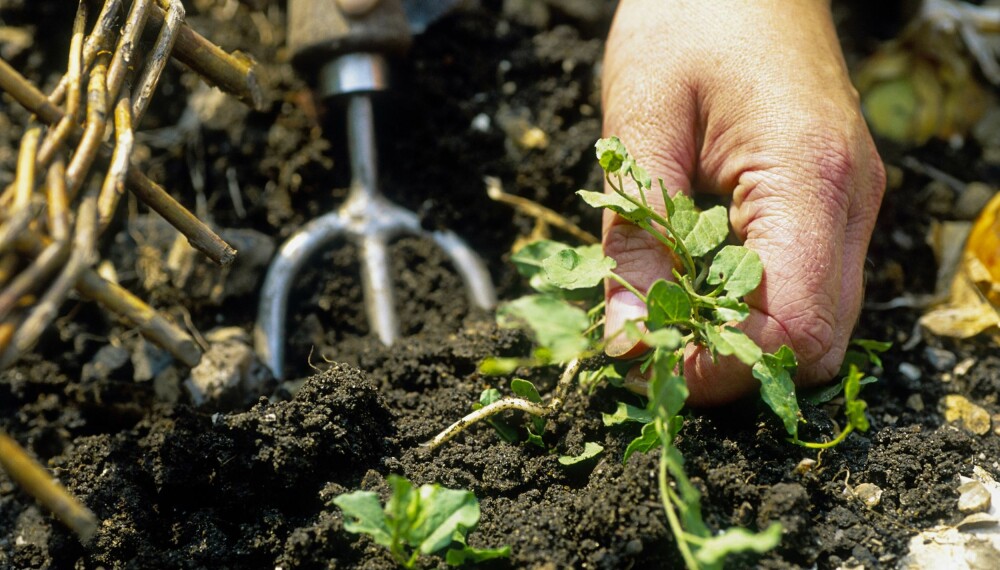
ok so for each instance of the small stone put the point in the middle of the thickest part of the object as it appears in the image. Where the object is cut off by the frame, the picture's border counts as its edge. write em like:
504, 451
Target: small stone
915, 402
972, 200
910, 372
481, 123
996, 422
869, 494
108, 360
974, 497
963, 367
977, 521
229, 375
940, 358
958, 409
805, 466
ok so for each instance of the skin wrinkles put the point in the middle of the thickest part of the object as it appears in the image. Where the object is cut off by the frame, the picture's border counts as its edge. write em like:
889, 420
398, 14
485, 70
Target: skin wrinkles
741, 102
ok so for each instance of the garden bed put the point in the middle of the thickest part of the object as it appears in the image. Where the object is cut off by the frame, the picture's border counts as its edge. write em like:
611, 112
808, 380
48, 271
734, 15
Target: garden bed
249, 485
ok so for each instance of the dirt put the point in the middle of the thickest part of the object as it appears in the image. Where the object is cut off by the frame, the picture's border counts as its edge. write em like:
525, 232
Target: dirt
178, 486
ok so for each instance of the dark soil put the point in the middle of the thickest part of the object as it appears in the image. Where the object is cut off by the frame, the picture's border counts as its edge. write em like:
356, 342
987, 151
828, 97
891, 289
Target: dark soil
177, 486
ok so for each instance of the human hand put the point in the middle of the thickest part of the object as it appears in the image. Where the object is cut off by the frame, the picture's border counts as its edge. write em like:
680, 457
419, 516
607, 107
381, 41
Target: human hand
750, 100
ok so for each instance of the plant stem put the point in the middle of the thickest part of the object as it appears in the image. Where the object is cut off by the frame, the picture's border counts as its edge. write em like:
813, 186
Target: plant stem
628, 286
668, 507
827, 445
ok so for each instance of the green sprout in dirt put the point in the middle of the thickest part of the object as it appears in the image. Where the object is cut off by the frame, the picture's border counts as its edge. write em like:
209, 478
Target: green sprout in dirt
416, 521
698, 306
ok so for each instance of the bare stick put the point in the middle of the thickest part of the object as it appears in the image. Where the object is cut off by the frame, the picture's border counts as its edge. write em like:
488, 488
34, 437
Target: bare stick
537, 211
98, 40
34, 479
93, 133
198, 233
157, 59
57, 201
149, 322
114, 182
124, 53
18, 215
41, 316
233, 73
57, 135
118, 300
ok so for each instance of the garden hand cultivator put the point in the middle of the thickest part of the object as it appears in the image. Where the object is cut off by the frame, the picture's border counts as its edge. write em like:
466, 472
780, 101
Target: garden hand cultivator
346, 40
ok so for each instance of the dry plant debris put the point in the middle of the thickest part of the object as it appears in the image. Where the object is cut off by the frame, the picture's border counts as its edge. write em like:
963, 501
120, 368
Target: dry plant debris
59, 204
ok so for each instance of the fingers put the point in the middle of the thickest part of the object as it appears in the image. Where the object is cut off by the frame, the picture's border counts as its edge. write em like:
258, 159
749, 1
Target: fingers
657, 122
764, 112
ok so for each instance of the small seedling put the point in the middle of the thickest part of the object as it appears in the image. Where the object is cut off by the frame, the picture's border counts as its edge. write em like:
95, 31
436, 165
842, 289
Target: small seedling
416, 521
699, 305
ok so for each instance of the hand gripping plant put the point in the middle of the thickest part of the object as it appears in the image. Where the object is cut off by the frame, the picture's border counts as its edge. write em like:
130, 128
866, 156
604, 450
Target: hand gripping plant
699, 306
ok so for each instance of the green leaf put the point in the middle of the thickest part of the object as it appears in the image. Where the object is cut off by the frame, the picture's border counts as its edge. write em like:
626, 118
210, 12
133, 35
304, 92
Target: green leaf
363, 514
701, 232
590, 450
690, 506
528, 260
627, 413
616, 203
872, 348
734, 540
776, 388
526, 390
648, 440
471, 555
827, 393
557, 326
737, 269
611, 154
444, 512
728, 309
579, 268
854, 408
668, 338
668, 303
497, 366
667, 389
732, 341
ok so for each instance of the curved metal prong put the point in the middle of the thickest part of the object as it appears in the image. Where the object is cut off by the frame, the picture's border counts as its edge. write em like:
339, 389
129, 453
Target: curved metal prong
269, 332
379, 301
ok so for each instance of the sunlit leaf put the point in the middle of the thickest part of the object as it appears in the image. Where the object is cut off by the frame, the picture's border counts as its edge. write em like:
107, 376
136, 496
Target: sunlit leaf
732, 341
627, 413
555, 324
590, 450
668, 303
734, 540
737, 268
579, 268
701, 232
774, 371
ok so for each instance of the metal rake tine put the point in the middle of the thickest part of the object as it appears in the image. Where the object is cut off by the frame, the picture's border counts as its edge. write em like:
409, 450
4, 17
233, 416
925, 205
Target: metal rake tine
287, 264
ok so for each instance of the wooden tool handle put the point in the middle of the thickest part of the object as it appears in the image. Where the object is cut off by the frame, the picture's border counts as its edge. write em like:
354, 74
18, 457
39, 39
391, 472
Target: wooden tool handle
321, 30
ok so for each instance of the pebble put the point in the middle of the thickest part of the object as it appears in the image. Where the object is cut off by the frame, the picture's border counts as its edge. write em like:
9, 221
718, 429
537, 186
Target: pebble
910, 372
958, 409
972, 200
869, 494
940, 358
974, 497
805, 466
996, 423
977, 521
915, 402
963, 367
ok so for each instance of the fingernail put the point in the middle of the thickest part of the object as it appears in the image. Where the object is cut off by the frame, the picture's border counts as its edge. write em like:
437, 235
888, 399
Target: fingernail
623, 306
